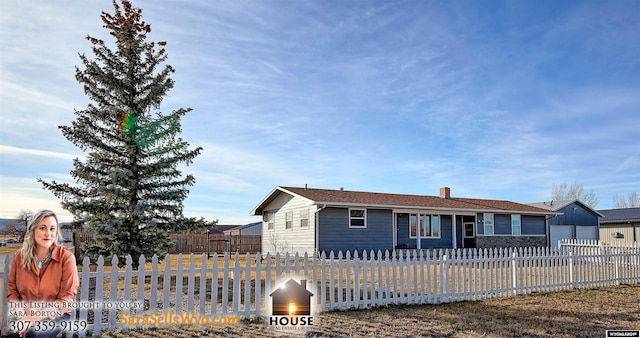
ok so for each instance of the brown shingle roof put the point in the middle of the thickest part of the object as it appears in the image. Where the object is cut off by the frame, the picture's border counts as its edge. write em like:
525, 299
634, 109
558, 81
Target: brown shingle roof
346, 197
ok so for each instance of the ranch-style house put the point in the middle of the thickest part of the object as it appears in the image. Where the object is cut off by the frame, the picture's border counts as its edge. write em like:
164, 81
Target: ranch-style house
307, 220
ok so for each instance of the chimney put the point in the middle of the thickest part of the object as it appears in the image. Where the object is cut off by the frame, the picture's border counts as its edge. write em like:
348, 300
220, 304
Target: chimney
303, 283
445, 192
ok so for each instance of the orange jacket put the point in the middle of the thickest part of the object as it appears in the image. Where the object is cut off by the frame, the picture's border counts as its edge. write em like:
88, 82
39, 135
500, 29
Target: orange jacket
57, 281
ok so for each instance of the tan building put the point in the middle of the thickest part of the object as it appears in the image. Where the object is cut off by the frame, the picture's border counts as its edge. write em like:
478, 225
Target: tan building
620, 226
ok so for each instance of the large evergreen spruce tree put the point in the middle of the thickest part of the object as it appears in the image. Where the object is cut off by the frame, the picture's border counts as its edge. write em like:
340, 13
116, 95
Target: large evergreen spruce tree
129, 189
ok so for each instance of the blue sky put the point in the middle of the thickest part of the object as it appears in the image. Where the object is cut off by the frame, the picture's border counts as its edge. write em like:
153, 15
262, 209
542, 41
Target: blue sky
494, 99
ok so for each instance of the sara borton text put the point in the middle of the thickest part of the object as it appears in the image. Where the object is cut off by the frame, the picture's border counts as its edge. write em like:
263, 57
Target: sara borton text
34, 309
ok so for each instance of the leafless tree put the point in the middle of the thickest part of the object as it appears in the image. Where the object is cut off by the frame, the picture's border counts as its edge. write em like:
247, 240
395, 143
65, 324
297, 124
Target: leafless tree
564, 191
632, 201
277, 245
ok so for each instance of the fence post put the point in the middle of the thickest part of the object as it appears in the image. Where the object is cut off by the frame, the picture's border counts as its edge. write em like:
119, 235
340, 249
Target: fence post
258, 285
571, 270
237, 275
514, 272
247, 285
444, 284
616, 265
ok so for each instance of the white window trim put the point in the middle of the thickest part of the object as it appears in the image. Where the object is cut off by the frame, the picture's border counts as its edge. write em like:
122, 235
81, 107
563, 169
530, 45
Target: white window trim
418, 227
519, 218
421, 225
304, 218
485, 216
287, 220
269, 217
364, 218
439, 227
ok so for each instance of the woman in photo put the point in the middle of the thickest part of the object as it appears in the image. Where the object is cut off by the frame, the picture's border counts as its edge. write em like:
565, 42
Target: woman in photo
43, 275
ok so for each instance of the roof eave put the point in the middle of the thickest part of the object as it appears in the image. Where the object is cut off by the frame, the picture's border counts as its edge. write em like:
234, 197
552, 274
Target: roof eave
564, 204
590, 208
270, 197
392, 206
260, 205
615, 221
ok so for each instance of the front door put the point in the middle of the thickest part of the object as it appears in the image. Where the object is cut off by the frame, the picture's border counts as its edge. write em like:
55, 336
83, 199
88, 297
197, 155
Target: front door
469, 235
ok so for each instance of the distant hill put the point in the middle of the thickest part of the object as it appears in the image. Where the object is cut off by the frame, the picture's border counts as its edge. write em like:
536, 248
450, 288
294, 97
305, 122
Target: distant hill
5, 221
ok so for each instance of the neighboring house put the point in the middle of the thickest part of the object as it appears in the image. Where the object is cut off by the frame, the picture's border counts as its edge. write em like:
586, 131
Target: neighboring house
11, 225
620, 226
308, 220
7, 221
577, 220
245, 238
253, 229
221, 229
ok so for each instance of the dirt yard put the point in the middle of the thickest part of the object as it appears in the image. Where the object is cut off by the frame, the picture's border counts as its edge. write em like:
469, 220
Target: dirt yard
580, 313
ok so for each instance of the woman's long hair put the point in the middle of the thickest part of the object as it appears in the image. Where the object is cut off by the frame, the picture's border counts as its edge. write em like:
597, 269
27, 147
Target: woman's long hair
26, 252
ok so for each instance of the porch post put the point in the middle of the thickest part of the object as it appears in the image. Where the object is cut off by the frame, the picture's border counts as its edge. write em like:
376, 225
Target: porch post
394, 226
455, 242
418, 225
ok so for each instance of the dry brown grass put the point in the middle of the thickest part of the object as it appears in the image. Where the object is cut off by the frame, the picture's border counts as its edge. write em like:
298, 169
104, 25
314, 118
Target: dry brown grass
579, 313
10, 248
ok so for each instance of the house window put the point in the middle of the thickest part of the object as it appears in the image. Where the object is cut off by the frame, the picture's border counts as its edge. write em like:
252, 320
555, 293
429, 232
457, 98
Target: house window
357, 218
267, 217
516, 225
288, 222
435, 226
468, 230
488, 224
413, 225
304, 218
428, 226
425, 226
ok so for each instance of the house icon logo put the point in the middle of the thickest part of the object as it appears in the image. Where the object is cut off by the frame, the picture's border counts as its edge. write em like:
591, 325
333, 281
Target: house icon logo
291, 299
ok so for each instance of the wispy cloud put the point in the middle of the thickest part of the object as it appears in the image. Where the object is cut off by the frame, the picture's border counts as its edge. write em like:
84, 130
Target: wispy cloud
22, 193
16, 151
23, 96
631, 162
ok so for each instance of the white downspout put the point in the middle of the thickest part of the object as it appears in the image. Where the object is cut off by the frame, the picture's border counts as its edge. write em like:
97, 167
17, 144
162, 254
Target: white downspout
316, 226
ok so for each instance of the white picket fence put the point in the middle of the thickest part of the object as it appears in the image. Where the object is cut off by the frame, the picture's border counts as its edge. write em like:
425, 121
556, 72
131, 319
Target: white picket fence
581, 243
241, 284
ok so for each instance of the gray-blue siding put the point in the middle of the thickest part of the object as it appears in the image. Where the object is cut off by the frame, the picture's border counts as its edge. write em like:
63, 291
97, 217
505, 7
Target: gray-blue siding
579, 216
533, 225
530, 225
335, 235
446, 233
502, 224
